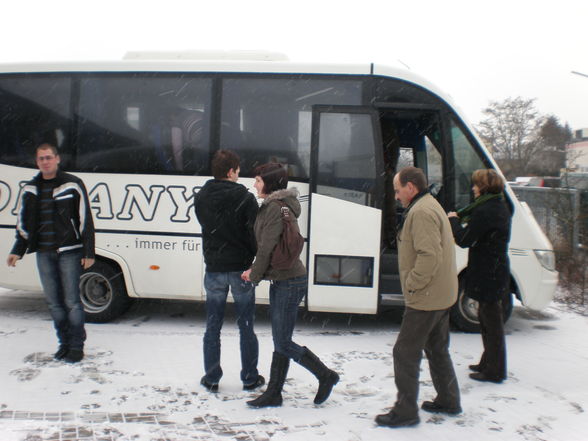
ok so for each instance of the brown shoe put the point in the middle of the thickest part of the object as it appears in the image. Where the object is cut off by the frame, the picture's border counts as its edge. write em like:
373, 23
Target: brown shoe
475, 367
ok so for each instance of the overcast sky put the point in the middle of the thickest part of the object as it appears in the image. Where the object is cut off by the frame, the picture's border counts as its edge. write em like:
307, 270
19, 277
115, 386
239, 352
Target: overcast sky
477, 51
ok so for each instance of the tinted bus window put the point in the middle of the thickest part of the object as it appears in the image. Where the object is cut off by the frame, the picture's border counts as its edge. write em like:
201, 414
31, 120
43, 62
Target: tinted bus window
466, 160
270, 119
347, 157
398, 91
34, 109
144, 124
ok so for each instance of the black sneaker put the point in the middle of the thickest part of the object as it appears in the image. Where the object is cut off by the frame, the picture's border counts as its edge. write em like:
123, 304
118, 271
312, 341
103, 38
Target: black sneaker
74, 356
434, 407
475, 367
211, 387
61, 352
260, 382
390, 419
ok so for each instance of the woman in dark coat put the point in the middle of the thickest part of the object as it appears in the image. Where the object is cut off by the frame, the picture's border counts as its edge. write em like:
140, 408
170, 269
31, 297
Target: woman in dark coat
288, 286
484, 228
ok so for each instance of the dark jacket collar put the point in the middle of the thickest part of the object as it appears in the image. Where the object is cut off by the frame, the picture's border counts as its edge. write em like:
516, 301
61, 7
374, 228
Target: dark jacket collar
59, 177
407, 209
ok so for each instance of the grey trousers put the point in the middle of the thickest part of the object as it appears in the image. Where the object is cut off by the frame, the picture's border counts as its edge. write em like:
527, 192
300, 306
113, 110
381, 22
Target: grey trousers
428, 331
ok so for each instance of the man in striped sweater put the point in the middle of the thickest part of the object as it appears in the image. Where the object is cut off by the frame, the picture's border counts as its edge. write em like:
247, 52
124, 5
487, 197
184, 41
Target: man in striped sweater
55, 221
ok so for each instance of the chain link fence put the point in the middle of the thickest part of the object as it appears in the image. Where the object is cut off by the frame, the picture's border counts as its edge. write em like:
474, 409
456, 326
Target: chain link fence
562, 213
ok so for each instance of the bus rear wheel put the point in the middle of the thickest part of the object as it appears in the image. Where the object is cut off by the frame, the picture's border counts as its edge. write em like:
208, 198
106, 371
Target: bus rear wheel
103, 292
464, 314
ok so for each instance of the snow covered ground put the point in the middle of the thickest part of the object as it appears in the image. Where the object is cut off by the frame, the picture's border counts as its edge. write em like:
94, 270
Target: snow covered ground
139, 380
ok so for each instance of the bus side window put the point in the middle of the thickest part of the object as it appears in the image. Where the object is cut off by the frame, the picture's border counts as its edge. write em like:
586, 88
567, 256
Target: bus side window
34, 110
434, 168
144, 124
466, 159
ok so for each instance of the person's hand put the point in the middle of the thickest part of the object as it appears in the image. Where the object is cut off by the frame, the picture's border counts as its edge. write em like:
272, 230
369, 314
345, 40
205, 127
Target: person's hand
452, 214
12, 259
245, 275
87, 262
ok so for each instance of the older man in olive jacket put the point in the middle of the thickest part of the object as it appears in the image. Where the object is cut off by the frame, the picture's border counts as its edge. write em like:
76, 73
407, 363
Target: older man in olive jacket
428, 276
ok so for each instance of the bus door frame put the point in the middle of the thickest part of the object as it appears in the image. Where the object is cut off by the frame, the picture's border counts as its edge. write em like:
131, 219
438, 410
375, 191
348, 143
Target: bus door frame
345, 239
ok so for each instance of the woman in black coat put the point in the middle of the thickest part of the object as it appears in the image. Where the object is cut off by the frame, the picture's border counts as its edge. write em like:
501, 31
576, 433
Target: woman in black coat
484, 228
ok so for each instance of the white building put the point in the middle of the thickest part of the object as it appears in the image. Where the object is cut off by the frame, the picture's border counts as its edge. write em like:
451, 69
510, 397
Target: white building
577, 152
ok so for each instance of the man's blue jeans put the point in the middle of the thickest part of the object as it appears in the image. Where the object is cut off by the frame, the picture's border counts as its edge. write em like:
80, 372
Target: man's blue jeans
285, 296
60, 277
217, 288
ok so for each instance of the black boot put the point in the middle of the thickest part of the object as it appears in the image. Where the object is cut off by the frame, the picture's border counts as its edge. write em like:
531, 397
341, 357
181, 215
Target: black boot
326, 377
273, 394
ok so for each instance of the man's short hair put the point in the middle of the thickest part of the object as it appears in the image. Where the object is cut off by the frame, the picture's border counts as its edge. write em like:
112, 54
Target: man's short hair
222, 162
488, 181
274, 175
47, 146
414, 175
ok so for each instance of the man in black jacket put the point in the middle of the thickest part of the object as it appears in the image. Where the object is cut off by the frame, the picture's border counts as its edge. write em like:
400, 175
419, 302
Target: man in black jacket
226, 211
55, 221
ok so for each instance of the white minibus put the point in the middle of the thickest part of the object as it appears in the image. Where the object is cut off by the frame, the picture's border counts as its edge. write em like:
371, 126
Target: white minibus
141, 131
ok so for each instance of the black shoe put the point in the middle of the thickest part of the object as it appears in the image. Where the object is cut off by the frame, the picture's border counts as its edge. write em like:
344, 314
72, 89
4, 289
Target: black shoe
390, 419
475, 367
211, 387
260, 382
480, 376
434, 407
61, 352
74, 356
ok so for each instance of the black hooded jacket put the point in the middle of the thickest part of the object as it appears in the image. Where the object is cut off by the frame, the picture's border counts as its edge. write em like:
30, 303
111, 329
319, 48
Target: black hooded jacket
226, 212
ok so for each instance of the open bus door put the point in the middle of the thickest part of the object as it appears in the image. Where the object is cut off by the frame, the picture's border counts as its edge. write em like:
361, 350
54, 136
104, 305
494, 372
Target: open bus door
345, 218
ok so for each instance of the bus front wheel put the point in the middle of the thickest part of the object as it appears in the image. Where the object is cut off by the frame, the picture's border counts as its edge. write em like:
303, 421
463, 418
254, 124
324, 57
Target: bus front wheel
103, 292
464, 314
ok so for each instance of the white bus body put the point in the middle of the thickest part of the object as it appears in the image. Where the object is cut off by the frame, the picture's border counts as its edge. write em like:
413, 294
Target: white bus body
140, 134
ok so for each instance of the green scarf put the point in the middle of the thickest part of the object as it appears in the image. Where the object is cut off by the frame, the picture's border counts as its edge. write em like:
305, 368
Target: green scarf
466, 213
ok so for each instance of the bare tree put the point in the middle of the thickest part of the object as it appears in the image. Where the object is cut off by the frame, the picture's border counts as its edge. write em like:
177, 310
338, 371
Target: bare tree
510, 130
551, 140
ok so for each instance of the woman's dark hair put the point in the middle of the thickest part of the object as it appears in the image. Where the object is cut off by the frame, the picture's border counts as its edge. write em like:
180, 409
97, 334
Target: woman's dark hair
488, 181
222, 162
274, 175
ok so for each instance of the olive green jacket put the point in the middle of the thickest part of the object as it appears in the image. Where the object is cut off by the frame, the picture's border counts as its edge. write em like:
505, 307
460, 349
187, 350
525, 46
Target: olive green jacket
426, 257
268, 229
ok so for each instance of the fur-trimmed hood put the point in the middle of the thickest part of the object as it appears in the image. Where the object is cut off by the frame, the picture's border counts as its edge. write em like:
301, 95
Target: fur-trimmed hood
268, 230
288, 196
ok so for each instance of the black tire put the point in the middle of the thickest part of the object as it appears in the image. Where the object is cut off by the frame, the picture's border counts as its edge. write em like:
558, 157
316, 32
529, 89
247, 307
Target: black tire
103, 292
464, 314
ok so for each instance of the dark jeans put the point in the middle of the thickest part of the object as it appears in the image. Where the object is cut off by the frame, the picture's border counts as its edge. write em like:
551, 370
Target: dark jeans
428, 331
217, 288
285, 296
60, 277
493, 360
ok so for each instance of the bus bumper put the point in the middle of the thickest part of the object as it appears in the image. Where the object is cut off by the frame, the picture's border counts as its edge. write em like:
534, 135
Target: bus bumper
543, 290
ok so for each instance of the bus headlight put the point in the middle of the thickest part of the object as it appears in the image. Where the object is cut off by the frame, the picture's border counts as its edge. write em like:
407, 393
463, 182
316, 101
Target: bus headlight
546, 258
